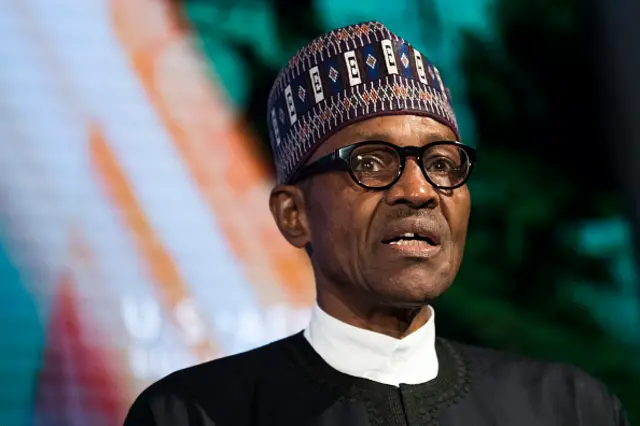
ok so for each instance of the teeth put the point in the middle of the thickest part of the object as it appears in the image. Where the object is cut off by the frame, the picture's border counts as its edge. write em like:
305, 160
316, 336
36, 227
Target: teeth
409, 235
408, 243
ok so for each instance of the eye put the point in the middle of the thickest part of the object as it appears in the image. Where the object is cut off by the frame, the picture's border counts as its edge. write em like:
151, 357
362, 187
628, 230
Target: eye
369, 163
373, 159
440, 164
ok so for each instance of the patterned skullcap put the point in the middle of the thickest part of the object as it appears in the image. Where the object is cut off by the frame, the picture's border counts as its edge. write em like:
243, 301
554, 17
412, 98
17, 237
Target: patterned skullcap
347, 75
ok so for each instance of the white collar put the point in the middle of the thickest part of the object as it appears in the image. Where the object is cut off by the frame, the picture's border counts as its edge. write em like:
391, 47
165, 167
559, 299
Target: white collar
374, 356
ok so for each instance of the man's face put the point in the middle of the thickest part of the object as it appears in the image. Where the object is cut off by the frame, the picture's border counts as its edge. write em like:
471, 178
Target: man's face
352, 230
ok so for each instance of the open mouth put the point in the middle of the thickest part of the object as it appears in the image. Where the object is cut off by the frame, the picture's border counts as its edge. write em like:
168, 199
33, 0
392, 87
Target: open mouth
410, 238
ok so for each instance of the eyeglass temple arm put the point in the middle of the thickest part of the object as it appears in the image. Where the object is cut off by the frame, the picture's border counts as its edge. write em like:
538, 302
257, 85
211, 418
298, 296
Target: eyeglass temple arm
324, 164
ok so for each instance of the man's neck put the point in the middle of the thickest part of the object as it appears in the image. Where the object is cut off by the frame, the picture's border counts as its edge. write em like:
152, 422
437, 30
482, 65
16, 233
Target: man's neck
393, 321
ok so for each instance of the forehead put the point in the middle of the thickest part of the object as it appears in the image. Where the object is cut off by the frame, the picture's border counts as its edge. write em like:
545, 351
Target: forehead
402, 130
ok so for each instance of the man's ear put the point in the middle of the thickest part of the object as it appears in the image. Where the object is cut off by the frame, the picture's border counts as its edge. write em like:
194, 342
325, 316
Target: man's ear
288, 207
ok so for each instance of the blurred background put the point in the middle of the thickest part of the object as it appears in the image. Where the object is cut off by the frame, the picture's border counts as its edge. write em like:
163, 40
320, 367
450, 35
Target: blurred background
135, 237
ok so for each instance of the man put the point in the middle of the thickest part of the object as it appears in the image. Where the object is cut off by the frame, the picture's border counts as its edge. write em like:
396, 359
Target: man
372, 183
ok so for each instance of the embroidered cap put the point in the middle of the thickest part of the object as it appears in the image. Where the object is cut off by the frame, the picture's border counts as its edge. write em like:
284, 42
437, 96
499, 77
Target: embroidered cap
348, 75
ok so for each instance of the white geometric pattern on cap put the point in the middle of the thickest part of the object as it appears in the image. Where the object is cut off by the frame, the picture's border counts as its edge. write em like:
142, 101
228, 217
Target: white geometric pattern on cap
327, 46
344, 107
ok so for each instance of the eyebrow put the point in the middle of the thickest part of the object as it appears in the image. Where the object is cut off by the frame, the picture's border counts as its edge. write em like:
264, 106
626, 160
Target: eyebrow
385, 135
373, 134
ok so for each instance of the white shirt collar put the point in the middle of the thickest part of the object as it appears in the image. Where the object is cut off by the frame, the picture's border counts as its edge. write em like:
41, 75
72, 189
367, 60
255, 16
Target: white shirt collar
374, 356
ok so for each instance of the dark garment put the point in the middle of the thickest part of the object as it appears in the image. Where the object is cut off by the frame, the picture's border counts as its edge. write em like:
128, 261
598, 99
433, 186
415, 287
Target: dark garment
287, 383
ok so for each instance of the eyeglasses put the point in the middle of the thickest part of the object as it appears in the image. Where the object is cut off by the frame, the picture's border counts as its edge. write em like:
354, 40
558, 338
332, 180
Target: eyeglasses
379, 165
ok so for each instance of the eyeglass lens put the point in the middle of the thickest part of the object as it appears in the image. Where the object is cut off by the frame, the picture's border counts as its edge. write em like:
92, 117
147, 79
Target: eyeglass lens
378, 165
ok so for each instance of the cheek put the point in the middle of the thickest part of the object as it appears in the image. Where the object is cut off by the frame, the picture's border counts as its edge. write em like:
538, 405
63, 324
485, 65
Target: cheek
341, 220
330, 219
456, 210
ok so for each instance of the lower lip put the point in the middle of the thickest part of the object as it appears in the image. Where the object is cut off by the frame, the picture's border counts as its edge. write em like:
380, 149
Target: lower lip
419, 249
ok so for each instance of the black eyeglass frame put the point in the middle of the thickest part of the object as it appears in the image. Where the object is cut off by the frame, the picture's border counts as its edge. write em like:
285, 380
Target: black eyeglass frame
339, 160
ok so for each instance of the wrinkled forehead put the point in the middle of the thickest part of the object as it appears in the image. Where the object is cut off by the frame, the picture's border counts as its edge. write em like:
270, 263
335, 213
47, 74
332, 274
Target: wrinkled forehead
401, 130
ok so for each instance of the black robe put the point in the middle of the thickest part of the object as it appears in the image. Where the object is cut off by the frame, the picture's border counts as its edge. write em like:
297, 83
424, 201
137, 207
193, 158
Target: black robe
287, 383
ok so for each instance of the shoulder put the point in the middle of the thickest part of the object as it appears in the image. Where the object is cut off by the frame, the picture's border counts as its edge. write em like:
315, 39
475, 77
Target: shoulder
209, 391
541, 386
227, 373
525, 370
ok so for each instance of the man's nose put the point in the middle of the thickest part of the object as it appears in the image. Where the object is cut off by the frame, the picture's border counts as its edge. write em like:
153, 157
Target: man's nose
413, 188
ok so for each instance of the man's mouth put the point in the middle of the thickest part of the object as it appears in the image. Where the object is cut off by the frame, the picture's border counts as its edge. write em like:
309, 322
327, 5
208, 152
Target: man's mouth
413, 239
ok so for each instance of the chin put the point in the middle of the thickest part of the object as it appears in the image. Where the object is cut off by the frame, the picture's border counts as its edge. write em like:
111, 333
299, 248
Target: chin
411, 288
